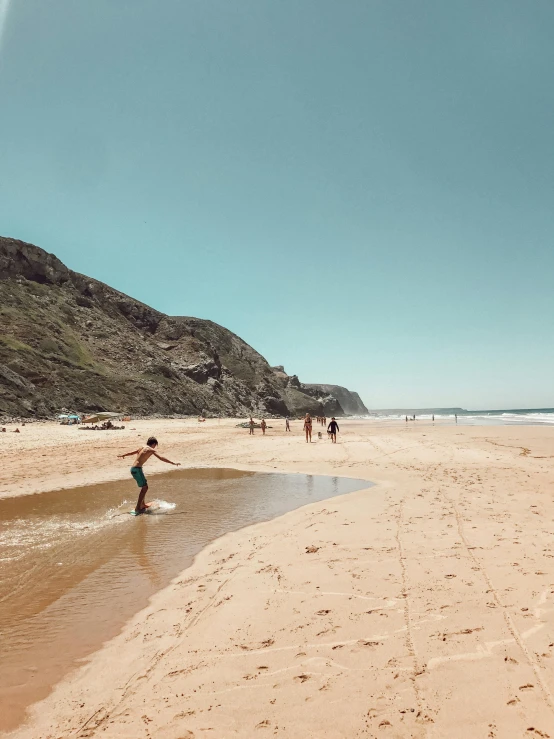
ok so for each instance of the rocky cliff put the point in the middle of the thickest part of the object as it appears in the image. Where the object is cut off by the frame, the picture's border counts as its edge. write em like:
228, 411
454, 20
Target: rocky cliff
334, 400
350, 402
69, 341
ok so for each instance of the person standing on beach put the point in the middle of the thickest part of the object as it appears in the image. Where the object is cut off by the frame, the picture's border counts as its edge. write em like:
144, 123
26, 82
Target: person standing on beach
332, 429
308, 428
264, 426
287, 424
251, 426
143, 455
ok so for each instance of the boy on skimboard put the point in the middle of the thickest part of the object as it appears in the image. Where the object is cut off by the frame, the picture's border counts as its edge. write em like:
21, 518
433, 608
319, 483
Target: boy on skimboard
143, 455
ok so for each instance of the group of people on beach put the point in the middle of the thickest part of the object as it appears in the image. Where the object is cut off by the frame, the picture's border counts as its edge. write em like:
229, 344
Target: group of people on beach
332, 428
252, 426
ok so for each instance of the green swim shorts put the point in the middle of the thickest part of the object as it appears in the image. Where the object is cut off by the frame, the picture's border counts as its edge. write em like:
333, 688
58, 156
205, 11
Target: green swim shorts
138, 474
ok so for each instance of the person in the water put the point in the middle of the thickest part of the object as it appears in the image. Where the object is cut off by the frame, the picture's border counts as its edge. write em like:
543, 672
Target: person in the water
143, 455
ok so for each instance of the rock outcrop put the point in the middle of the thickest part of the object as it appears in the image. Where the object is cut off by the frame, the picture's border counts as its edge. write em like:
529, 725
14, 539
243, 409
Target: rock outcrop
69, 341
334, 400
350, 401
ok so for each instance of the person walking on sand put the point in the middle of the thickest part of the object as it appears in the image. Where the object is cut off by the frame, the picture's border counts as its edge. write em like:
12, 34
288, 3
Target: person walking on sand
308, 428
287, 424
143, 455
251, 426
332, 428
263, 425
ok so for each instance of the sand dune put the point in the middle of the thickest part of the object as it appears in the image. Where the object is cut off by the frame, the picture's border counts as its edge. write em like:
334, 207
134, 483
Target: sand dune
421, 607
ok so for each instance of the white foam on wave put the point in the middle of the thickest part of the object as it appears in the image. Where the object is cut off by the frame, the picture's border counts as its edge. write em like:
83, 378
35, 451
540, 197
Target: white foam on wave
22, 534
163, 505
502, 418
118, 510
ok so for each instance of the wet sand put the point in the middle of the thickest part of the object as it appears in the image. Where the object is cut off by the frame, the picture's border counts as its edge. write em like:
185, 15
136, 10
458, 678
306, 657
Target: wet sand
423, 607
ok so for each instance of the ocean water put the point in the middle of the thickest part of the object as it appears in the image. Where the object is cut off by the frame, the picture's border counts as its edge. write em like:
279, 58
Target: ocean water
508, 417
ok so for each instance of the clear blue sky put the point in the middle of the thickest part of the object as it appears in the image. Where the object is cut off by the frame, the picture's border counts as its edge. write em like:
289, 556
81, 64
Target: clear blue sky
362, 190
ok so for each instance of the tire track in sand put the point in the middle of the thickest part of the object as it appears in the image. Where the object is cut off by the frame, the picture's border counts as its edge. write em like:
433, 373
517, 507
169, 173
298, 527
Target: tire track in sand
417, 669
512, 628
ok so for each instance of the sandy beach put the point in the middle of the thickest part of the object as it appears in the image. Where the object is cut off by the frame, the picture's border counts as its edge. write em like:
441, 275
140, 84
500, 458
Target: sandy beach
420, 607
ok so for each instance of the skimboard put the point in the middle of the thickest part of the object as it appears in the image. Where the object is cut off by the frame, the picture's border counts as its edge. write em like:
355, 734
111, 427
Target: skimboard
155, 506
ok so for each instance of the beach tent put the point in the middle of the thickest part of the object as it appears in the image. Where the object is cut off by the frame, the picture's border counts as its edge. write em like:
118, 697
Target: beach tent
100, 417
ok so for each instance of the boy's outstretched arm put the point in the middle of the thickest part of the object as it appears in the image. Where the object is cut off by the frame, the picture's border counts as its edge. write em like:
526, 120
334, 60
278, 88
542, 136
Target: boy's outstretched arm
128, 454
159, 456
